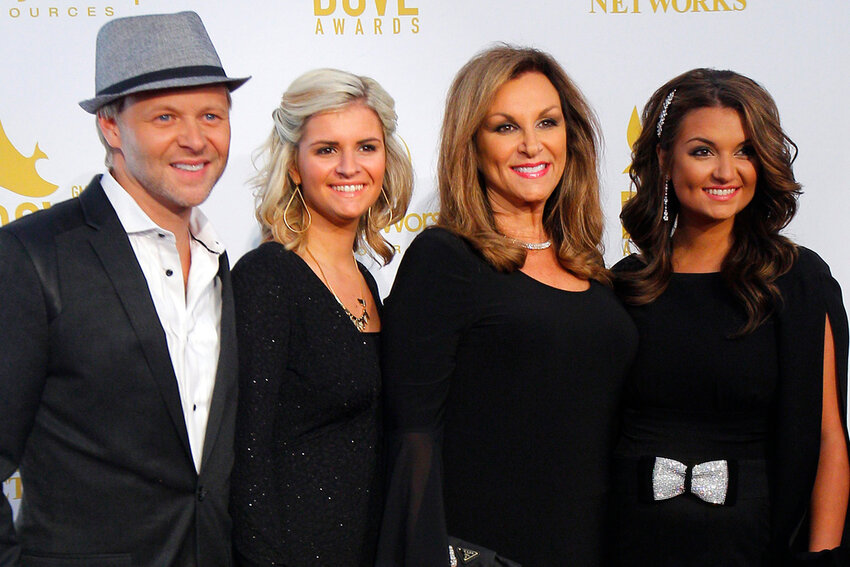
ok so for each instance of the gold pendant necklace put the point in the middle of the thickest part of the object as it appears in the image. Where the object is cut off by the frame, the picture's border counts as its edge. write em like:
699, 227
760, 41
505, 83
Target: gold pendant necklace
359, 322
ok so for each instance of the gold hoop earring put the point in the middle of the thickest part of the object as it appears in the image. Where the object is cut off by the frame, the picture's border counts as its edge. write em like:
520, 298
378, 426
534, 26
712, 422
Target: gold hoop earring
406, 148
369, 210
303, 204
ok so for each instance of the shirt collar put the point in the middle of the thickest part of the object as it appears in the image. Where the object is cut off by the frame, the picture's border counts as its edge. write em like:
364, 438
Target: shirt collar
136, 221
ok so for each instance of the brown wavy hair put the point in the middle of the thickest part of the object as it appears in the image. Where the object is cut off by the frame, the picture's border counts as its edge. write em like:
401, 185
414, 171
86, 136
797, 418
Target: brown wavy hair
759, 254
572, 214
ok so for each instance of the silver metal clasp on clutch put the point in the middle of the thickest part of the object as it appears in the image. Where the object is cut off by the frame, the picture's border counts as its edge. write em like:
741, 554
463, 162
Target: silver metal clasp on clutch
467, 555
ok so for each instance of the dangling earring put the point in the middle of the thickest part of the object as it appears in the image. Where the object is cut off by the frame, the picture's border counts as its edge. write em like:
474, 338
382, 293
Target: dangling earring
369, 210
303, 204
665, 216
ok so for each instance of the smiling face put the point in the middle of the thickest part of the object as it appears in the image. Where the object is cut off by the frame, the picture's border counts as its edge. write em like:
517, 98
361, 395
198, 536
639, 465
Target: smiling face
170, 147
340, 164
711, 166
522, 144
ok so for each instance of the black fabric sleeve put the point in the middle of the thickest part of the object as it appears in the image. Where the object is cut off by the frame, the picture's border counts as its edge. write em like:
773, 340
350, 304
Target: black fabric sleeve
809, 294
262, 327
424, 319
23, 368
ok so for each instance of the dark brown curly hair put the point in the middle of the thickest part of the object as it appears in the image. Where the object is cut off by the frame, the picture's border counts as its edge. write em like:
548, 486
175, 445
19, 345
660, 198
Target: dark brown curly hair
759, 254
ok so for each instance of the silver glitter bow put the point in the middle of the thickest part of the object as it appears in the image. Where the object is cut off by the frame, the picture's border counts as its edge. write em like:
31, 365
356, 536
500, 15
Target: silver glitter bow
709, 481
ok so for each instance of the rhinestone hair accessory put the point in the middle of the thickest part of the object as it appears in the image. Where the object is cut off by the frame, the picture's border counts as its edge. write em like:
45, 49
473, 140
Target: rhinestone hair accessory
663, 115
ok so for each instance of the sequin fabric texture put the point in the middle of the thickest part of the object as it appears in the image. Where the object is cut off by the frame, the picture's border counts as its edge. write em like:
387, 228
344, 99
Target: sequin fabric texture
709, 481
306, 484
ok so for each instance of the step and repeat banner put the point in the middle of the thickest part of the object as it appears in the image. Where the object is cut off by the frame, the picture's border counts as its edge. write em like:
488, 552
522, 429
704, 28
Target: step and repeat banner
618, 51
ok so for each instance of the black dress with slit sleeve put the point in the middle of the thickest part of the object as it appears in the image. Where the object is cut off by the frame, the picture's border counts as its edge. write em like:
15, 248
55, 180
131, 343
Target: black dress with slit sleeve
501, 408
698, 393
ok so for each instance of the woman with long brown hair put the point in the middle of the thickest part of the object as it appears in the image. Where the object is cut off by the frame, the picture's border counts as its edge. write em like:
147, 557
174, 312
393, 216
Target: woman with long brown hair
733, 449
504, 347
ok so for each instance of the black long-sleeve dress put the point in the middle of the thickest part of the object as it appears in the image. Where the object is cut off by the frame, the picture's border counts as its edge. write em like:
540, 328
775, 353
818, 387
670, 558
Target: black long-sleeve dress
698, 394
501, 398
306, 485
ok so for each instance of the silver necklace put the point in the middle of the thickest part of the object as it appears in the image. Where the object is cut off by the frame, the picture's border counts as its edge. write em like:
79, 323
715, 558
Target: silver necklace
359, 322
531, 245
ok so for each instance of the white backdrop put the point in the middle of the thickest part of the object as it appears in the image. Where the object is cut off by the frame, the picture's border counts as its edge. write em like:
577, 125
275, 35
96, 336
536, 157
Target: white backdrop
618, 51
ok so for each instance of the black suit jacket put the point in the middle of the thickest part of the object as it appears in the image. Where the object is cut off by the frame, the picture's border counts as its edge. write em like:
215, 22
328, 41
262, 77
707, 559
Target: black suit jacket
89, 406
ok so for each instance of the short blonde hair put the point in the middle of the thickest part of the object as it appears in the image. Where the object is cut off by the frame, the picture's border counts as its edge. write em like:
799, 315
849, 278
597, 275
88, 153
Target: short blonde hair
109, 112
314, 92
573, 215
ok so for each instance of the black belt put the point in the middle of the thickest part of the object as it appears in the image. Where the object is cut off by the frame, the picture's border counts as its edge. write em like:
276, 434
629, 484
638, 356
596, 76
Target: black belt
714, 481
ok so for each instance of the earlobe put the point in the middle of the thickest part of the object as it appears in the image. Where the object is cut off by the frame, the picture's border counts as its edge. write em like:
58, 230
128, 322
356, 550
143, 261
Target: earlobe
294, 175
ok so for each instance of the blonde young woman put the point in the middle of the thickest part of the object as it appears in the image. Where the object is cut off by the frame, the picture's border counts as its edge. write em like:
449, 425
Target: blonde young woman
504, 347
307, 483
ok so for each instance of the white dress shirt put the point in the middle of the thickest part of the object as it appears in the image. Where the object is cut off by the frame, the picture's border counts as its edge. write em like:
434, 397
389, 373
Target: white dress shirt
190, 316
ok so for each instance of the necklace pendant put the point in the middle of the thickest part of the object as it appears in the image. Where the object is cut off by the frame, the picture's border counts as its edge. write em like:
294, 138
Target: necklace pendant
359, 322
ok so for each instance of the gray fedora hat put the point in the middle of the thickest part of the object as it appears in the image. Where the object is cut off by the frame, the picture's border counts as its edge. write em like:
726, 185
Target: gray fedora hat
158, 51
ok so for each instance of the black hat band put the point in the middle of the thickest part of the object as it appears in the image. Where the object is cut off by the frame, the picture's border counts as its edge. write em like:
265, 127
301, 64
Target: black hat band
163, 75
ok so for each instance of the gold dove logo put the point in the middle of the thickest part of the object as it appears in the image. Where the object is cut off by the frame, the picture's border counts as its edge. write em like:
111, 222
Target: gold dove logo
12, 488
18, 172
633, 132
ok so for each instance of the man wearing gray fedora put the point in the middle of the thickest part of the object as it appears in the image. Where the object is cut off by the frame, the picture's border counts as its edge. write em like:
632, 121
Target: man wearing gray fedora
117, 342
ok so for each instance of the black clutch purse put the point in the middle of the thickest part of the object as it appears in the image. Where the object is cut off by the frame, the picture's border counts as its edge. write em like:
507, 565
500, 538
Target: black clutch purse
463, 553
